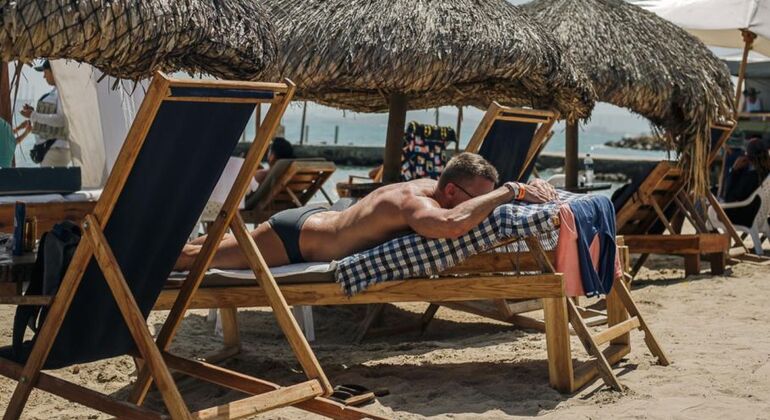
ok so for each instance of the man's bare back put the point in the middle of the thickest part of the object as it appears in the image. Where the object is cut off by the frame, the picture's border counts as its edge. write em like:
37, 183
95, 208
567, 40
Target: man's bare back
434, 210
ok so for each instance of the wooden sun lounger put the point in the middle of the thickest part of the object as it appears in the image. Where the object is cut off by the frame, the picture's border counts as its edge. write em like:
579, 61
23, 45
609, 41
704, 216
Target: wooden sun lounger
478, 278
129, 205
291, 183
662, 201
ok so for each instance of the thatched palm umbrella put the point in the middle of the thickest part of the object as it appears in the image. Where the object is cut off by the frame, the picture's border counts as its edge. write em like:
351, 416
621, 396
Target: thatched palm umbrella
378, 55
131, 39
642, 62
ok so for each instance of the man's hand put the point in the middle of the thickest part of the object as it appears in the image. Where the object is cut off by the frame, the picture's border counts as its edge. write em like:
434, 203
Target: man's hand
27, 111
539, 191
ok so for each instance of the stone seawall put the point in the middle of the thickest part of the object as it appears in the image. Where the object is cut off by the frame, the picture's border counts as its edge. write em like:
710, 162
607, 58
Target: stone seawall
370, 156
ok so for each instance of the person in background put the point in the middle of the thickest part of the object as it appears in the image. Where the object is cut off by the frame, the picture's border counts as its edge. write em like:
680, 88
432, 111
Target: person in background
280, 148
746, 175
49, 125
753, 102
9, 140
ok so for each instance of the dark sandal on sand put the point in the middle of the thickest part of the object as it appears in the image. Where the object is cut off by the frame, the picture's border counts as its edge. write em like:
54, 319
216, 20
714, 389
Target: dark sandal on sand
355, 395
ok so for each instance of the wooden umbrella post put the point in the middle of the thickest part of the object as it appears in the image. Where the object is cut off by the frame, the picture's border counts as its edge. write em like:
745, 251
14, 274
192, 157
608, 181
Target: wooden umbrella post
459, 126
302, 128
571, 155
396, 121
6, 112
748, 40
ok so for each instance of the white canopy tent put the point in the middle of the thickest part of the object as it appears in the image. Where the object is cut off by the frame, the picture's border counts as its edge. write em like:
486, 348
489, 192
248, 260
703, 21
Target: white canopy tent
721, 23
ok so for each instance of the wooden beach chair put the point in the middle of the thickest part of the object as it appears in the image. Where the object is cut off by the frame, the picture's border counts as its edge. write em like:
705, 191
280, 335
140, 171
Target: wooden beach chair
527, 276
173, 156
646, 210
291, 183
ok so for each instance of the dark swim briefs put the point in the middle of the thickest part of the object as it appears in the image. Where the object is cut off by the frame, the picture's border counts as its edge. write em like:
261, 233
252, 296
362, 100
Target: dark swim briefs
287, 225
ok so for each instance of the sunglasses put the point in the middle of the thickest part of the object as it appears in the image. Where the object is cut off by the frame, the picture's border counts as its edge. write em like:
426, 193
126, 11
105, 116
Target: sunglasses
465, 191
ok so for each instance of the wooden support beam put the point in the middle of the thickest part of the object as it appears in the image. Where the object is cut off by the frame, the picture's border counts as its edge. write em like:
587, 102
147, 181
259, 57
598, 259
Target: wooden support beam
616, 331
395, 137
82, 395
257, 404
414, 290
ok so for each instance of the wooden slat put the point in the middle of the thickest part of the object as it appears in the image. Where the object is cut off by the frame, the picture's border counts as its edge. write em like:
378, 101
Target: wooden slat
252, 406
589, 371
616, 331
223, 100
413, 290
203, 83
250, 385
665, 244
82, 395
26, 300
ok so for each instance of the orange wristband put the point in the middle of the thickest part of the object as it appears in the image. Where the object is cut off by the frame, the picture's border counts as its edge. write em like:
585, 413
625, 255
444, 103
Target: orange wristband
521, 193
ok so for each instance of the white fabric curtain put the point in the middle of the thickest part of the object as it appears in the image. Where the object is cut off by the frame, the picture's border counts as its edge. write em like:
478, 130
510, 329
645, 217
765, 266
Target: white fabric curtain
99, 115
77, 92
718, 22
117, 109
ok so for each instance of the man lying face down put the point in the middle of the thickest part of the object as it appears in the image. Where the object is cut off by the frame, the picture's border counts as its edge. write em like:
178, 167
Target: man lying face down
463, 197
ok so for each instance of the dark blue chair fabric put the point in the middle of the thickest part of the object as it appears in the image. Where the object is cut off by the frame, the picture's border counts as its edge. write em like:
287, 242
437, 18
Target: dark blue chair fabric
183, 156
506, 146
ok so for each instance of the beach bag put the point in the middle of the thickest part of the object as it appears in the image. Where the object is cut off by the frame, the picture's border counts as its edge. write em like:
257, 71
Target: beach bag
54, 255
37, 152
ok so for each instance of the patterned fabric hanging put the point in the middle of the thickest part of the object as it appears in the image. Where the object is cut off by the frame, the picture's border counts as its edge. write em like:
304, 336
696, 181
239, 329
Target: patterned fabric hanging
424, 151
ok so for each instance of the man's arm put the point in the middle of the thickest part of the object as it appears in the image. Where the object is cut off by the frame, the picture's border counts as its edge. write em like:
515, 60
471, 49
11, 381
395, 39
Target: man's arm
428, 219
54, 120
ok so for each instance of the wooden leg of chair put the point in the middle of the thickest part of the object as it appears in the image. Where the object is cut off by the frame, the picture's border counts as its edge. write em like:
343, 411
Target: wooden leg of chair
718, 263
373, 314
428, 316
561, 375
616, 313
231, 331
49, 330
691, 264
624, 295
582, 332
639, 264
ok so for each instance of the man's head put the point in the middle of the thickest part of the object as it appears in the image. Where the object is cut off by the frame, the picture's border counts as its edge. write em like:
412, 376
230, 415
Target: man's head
45, 67
280, 149
466, 176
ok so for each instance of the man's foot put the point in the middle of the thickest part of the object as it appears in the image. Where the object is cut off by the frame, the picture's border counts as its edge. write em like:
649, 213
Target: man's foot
187, 257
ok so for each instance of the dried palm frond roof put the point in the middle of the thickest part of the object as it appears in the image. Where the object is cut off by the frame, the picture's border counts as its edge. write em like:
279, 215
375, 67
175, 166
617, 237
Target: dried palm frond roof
353, 54
131, 39
642, 62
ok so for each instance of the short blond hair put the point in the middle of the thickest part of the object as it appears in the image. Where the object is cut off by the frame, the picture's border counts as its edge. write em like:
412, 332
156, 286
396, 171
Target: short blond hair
465, 167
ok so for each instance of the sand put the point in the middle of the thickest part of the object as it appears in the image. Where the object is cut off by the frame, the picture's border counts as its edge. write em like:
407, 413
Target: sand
714, 329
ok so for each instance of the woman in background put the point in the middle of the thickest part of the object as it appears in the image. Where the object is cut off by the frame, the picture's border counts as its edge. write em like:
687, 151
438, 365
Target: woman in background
746, 175
280, 148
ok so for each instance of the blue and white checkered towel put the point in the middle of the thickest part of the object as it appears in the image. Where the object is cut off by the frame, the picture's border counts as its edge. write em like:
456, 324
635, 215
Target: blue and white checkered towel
417, 256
